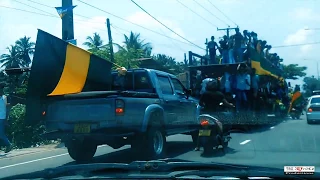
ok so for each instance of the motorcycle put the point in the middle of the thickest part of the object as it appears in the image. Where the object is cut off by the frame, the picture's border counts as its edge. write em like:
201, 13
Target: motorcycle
211, 134
296, 112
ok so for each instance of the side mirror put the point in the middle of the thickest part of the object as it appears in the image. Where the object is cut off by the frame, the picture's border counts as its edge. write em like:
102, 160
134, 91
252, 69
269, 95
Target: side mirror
189, 92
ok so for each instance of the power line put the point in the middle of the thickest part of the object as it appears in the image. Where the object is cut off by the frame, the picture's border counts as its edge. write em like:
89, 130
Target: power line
211, 13
292, 45
165, 25
34, 7
54, 7
196, 14
138, 24
222, 12
32, 12
118, 30
48, 15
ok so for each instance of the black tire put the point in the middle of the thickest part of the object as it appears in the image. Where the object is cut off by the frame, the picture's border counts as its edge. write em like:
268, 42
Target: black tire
152, 144
195, 136
154, 149
208, 146
81, 152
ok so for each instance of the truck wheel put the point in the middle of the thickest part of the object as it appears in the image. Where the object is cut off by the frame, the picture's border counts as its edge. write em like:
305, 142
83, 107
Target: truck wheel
155, 143
81, 152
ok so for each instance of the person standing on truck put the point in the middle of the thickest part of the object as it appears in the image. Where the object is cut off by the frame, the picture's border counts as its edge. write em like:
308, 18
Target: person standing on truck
243, 81
3, 119
212, 46
254, 88
224, 50
238, 51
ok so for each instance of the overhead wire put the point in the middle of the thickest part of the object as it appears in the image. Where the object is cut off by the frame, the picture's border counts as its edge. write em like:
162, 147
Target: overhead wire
118, 29
48, 15
165, 25
192, 44
293, 45
34, 8
54, 7
222, 13
196, 14
210, 12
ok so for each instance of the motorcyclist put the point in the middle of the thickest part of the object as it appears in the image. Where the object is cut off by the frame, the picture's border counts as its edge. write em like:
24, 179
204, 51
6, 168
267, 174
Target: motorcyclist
211, 99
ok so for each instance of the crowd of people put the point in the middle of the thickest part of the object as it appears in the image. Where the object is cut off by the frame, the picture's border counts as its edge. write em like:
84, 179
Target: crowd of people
244, 88
236, 49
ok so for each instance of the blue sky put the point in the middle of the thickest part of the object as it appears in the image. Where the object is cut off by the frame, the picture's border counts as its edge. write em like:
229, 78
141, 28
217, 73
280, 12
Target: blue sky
279, 22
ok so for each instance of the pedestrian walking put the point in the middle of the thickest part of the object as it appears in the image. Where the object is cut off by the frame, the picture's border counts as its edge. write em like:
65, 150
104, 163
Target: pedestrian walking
3, 119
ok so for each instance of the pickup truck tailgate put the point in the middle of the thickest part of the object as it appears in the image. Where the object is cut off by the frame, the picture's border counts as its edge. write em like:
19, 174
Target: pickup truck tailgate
63, 114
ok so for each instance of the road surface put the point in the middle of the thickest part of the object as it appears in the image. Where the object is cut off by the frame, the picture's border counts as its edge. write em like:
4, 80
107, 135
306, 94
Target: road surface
292, 142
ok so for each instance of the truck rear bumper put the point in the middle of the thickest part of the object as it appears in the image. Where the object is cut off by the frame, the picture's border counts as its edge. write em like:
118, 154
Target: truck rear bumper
95, 135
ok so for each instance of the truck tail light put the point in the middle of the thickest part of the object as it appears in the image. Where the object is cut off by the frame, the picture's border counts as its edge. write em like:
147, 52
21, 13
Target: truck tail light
204, 122
119, 107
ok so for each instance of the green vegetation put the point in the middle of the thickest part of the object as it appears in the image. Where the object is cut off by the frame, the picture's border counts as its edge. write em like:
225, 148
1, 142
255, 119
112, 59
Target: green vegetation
126, 54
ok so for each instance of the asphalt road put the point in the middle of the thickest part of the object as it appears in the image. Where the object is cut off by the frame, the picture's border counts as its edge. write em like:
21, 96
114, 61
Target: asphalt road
292, 142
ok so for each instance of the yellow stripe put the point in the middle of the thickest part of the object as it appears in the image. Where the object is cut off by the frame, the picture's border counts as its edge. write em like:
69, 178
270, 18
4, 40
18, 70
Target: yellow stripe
74, 73
259, 70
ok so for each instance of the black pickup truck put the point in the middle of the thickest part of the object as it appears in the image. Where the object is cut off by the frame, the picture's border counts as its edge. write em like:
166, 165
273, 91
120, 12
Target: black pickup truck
149, 106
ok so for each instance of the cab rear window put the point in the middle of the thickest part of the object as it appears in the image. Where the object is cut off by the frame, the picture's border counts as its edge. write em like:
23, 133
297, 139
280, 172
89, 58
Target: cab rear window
132, 81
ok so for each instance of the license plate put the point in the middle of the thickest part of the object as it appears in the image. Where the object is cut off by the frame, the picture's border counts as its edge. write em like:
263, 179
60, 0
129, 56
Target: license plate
204, 132
82, 128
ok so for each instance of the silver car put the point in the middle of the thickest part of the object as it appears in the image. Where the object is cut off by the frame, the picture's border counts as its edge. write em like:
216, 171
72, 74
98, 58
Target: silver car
313, 109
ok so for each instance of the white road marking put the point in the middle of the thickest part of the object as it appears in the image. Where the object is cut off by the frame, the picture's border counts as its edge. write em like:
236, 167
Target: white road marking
245, 142
41, 159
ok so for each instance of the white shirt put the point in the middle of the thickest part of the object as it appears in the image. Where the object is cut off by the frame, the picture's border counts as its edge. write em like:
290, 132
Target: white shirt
204, 85
3, 107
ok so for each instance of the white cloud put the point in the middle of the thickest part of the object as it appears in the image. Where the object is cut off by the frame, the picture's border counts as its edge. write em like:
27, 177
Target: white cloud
84, 28
145, 20
16, 32
300, 37
305, 14
5, 3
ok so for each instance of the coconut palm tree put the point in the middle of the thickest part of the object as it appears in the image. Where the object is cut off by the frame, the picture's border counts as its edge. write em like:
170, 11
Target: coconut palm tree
25, 48
134, 41
94, 43
12, 59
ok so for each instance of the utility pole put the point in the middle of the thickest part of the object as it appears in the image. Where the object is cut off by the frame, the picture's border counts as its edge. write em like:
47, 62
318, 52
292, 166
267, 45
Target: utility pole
110, 40
206, 43
67, 22
227, 29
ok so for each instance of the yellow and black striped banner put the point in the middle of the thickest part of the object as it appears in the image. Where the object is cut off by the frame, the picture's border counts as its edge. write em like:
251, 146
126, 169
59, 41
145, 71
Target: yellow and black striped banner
60, 68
